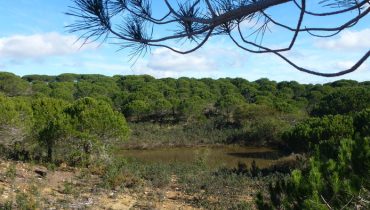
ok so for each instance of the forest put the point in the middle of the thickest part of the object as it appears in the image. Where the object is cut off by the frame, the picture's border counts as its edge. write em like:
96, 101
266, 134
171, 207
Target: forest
81, 120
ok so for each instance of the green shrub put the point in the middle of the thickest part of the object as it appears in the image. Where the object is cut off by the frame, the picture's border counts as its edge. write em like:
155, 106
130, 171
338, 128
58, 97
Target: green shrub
158, 175
114, 174
307, 134
260, 124
77, 133
15, 124
7, 205
343, 101
13, 85
11, 172
338, 179
26, 202
68, 188
361, 122
51, 125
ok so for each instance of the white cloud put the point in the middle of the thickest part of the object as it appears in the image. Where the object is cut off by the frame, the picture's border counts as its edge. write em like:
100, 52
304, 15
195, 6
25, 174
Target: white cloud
174, 74
165, 60
92, 67
208, 61
343, 64
348, 64
348, 40
39, 46
115, 68
283, 72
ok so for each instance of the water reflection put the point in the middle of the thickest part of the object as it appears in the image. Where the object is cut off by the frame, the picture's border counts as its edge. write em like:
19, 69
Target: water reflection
269, 155
225, 156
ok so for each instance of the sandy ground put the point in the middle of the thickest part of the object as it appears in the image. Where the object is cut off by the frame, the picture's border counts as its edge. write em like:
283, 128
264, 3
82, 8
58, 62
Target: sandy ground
64, 188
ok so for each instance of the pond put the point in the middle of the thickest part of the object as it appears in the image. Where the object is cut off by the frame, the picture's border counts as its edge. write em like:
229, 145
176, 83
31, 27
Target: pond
220, 156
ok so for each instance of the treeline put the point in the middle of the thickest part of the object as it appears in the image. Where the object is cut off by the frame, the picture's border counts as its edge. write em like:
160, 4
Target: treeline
260, 111
185, 99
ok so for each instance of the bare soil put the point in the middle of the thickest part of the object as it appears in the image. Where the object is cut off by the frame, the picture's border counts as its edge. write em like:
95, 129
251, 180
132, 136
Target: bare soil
69, 188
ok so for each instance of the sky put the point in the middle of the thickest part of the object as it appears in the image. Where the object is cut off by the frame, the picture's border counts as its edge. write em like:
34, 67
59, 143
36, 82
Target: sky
34, 40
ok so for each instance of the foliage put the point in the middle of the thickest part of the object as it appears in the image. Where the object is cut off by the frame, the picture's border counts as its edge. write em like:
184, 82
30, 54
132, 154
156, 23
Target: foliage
51, 124
344, 100
335, 176
8, 113
11, 172
6, 206
97, 119
114, 175
196, 22
40, 78
26, 201
93, 127
53, 130
13, 85
331, 180
15, 124
62, 90
148, 135
361, 122
223, 110
191, 110
136, 108
261, 124
312, 131
211, 189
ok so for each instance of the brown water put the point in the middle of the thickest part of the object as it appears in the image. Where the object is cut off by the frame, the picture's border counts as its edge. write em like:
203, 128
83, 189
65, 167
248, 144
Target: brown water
221, 156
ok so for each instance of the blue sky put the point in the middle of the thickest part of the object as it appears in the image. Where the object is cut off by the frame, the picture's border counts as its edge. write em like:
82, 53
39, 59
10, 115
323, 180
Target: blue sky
33, 40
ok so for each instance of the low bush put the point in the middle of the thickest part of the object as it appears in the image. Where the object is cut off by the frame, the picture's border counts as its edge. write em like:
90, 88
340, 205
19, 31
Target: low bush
334, 176
305, 135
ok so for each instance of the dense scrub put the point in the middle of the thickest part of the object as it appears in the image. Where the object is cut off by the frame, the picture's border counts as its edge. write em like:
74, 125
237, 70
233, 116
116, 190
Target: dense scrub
335, 176
55, 131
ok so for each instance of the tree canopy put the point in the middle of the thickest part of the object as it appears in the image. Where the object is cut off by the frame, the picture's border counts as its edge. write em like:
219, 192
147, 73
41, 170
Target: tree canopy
199, 20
